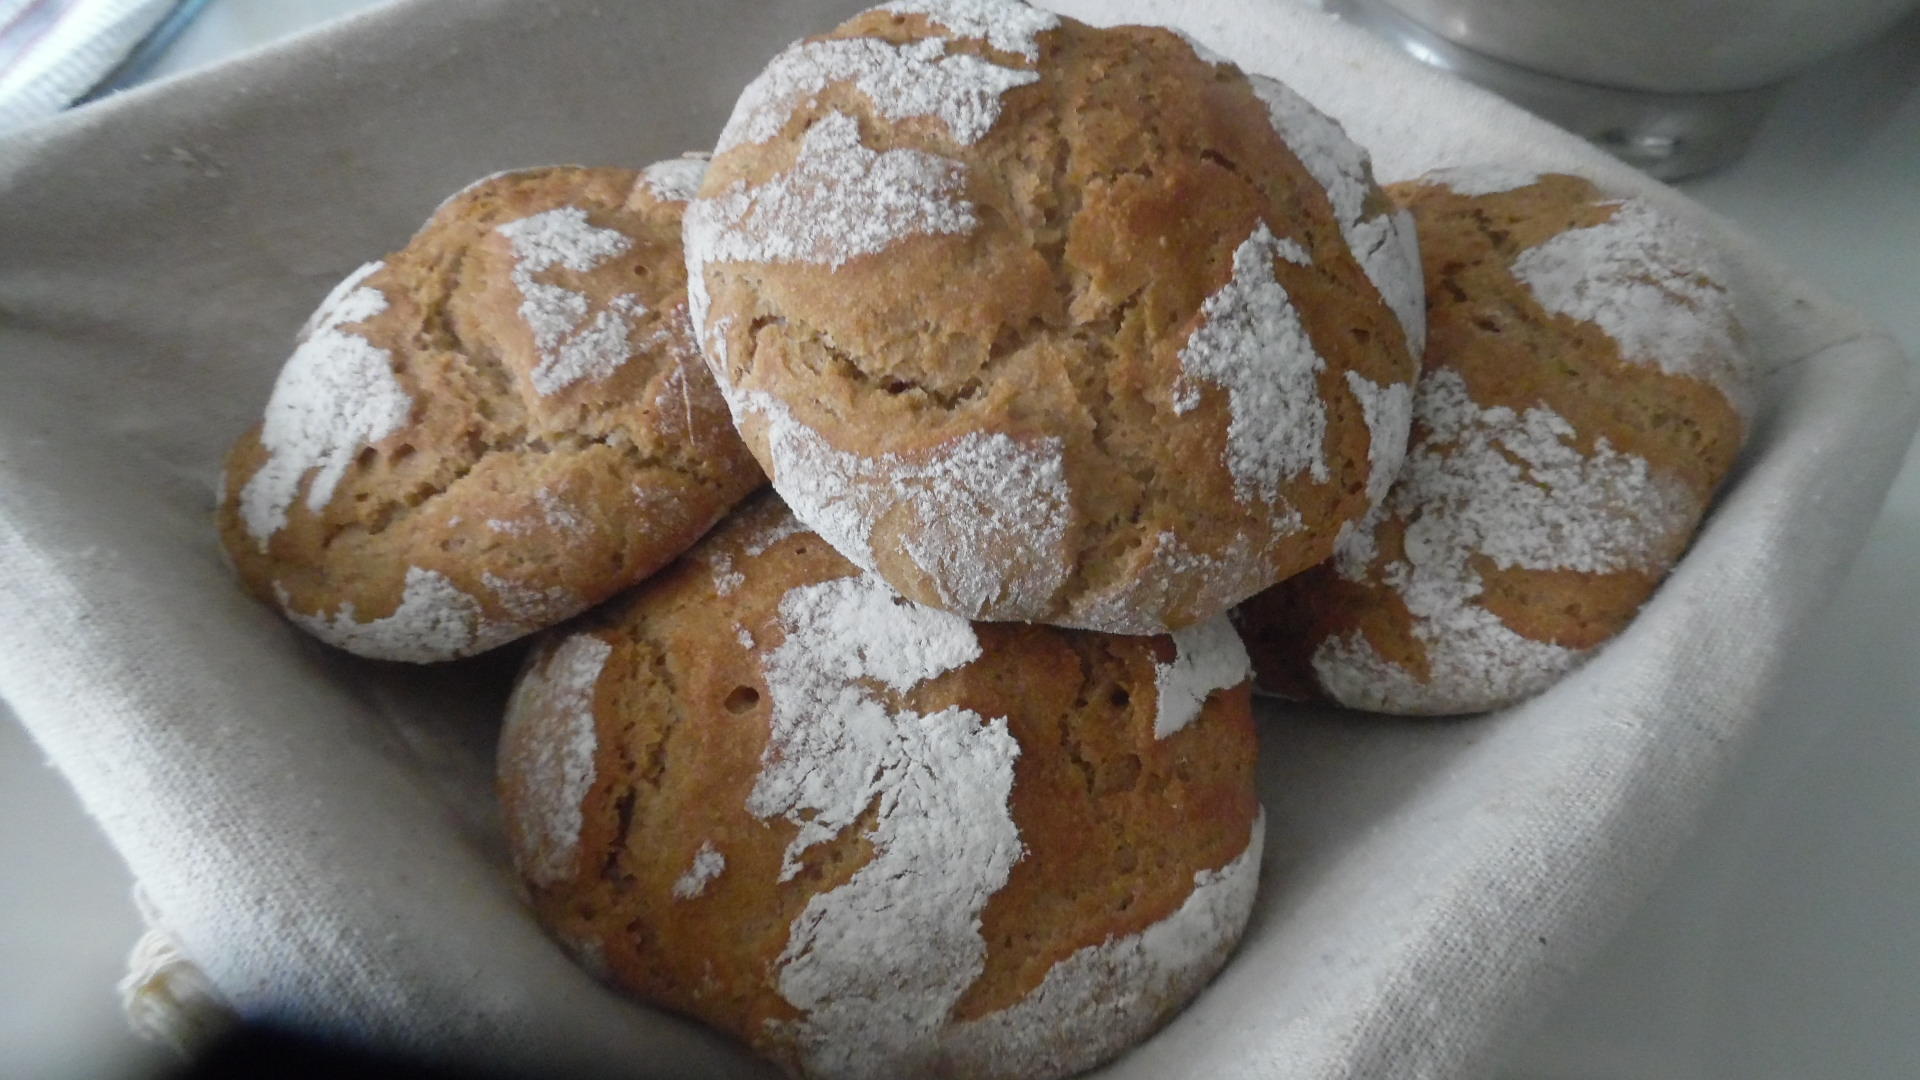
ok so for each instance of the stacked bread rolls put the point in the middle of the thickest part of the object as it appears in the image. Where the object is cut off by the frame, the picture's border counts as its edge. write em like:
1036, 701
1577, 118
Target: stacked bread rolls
1073, 355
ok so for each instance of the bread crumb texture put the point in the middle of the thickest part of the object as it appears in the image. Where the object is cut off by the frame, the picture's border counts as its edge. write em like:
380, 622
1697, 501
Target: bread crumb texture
493, 429
870, 838
1049, 323
1581, 398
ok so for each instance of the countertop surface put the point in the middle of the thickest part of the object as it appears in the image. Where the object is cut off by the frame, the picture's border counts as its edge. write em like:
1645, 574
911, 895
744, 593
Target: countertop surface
1785, 943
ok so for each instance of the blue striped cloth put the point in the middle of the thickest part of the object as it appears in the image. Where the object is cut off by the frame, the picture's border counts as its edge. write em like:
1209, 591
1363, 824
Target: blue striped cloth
56, 52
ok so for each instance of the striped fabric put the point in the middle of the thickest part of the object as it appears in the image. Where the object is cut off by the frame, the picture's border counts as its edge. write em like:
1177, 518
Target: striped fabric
54, 51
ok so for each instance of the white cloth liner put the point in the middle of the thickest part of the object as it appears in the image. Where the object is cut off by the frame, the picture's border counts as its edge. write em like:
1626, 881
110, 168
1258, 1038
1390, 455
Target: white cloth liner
317, 832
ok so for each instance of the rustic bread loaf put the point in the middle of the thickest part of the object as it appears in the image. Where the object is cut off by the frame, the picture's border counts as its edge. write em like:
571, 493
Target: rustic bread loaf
871, 839
1049, 323
492, 429
1581, 398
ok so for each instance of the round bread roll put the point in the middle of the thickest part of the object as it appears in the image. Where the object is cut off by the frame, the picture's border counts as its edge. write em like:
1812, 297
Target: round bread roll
490, 431
1581, 398
1049, 323
871, 839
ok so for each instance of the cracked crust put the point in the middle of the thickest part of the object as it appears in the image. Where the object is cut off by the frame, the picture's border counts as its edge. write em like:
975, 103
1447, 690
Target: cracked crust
1110, 199
1113, 824
1507, 595
524, 481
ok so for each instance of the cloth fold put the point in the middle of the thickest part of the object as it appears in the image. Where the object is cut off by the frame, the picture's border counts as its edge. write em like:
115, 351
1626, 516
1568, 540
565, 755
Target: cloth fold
318, 832
166, 998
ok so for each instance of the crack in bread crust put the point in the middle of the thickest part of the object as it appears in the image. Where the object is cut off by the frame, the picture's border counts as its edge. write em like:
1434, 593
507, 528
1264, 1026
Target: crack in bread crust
1118, 830
617, 470
1107, 201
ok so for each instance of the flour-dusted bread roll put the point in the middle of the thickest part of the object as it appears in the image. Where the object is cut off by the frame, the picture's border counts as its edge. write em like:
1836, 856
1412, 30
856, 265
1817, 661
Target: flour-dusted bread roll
1581, 399
871, 839
495, 428
1049, 323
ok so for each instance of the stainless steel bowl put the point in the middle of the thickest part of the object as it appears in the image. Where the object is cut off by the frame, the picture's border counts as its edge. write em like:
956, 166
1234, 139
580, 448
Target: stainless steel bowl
1676, 87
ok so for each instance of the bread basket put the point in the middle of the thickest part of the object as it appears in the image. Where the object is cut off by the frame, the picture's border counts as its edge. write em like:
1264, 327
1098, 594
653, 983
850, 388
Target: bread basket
318, 832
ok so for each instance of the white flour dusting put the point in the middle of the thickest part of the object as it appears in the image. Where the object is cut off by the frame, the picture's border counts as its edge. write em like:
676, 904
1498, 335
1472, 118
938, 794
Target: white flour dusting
654, 503
548, 510
336, 394
876, 965
1177, 574
831, 735
917, 79
1512, 488
1486, 179
1384, 244
435, 621
773, 532
1206, 55
1004, 24
1107, 997
839, 201
993, 518
1354, 548
1207, 657
550, 717
713, 343
725, 578
686, 393
1388, 411
1388, 247
979, 492
559, 514
532, 606
1653, 284
707, 865
572, 341
1251, 343
675, 179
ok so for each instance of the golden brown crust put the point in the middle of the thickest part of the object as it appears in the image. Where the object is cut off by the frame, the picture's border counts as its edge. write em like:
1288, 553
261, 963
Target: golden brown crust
1113, 824
519, 474
1082, 883
1556, 470
1104, 207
